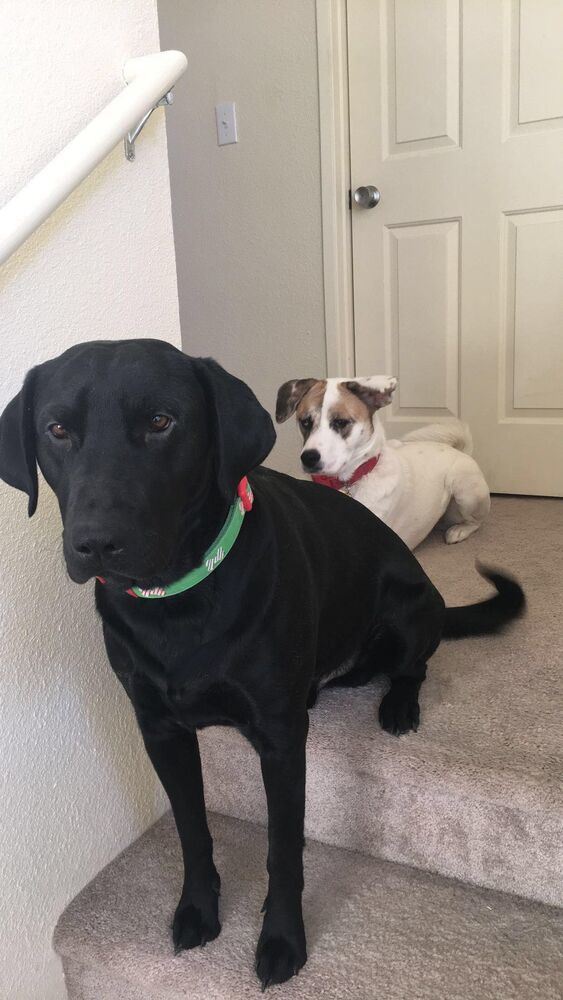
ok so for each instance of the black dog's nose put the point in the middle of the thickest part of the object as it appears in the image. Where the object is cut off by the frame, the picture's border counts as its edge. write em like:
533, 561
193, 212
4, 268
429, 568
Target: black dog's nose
96, 545
310, 459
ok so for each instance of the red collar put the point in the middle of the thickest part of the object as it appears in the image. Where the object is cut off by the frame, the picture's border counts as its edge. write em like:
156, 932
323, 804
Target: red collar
337, 484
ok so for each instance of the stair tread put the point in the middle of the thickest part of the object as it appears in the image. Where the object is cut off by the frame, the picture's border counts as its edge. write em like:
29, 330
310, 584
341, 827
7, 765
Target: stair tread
477, 792
375, 929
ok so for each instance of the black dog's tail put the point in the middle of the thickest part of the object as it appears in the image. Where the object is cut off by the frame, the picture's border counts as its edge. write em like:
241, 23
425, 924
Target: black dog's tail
488, 616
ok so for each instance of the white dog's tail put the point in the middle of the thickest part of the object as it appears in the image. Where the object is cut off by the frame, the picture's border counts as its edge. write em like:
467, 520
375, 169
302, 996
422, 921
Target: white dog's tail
454, 433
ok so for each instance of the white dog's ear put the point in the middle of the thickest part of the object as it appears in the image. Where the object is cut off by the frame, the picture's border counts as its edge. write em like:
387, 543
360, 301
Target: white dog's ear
374, 390
290, 395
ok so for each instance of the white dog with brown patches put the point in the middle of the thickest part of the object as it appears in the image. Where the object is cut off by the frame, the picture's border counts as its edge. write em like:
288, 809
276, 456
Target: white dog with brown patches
425, 479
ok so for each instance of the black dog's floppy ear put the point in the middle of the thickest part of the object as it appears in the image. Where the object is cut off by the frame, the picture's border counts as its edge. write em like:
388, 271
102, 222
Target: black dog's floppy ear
18, 466
290, 395
375, 390
242, 429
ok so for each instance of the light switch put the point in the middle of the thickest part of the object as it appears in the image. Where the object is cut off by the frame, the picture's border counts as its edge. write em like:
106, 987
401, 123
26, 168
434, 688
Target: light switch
225, 115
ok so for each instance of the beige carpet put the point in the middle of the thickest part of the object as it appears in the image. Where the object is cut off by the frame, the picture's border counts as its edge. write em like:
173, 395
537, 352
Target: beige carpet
375, 930
477, 793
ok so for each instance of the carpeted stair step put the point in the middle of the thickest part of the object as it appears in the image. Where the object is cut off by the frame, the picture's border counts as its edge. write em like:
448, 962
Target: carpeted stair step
476, 794
375, 929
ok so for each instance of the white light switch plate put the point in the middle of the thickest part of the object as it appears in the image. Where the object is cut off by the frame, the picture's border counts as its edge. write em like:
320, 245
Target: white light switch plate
225, 115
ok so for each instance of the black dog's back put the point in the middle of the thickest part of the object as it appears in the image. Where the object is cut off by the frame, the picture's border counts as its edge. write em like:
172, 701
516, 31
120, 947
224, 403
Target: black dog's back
361, 578
367, 602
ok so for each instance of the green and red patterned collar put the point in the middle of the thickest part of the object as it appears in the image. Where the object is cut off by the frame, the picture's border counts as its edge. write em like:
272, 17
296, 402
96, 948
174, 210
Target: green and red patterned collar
215, 553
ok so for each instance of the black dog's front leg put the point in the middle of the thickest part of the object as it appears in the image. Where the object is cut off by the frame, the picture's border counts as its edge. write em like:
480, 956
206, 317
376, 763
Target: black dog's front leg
281, 950
178, 765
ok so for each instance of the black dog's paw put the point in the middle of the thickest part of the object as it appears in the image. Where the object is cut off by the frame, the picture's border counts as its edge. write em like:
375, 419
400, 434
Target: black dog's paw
399, 713
195, 923
278, 959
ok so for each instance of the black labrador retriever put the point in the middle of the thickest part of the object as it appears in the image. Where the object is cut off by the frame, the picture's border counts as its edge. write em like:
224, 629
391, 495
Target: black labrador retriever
216, 615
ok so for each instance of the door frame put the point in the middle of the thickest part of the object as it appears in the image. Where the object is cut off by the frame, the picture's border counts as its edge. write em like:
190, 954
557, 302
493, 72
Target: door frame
334, 125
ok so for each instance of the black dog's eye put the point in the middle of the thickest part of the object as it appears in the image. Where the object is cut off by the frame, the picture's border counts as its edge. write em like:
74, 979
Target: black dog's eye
160, 422
58, 431
340, 423
306, 423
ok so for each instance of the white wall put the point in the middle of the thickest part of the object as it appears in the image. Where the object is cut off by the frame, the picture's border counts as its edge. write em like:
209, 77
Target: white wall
247, 218
74, 783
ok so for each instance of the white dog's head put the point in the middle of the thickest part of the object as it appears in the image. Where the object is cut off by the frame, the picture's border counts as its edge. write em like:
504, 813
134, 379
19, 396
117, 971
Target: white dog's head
338, 420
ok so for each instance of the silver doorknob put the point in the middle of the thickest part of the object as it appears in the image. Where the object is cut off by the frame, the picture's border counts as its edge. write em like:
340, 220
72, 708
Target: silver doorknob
367, 197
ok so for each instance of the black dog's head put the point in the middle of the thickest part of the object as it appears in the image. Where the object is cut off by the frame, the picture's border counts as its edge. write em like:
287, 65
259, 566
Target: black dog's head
135, 439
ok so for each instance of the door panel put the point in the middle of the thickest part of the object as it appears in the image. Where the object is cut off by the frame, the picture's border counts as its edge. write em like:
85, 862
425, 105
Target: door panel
534, 358
539, 34
423, 307
422, 79
456, 115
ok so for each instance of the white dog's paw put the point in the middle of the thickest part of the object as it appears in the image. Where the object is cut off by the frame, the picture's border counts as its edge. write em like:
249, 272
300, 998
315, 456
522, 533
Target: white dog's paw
458, 532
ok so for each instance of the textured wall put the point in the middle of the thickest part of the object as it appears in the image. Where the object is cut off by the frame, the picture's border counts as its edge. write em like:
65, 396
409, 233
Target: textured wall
247, 217
74, 784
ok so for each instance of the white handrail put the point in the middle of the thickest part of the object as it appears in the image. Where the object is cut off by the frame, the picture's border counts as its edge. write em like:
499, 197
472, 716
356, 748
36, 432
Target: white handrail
148, 79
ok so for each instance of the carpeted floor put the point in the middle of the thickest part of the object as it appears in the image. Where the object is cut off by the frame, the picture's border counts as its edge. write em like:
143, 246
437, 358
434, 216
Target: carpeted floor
506, 693
375, 930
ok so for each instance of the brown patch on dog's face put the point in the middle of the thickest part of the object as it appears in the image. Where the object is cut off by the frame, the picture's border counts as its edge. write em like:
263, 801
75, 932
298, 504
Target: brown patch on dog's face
290, 395
371, 397
350, 409
308, 412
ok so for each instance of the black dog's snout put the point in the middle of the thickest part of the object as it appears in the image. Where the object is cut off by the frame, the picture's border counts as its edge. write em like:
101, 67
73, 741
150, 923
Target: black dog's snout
96, 545
310, 459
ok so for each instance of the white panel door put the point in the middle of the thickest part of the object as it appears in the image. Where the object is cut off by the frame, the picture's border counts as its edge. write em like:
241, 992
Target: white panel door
456, 116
